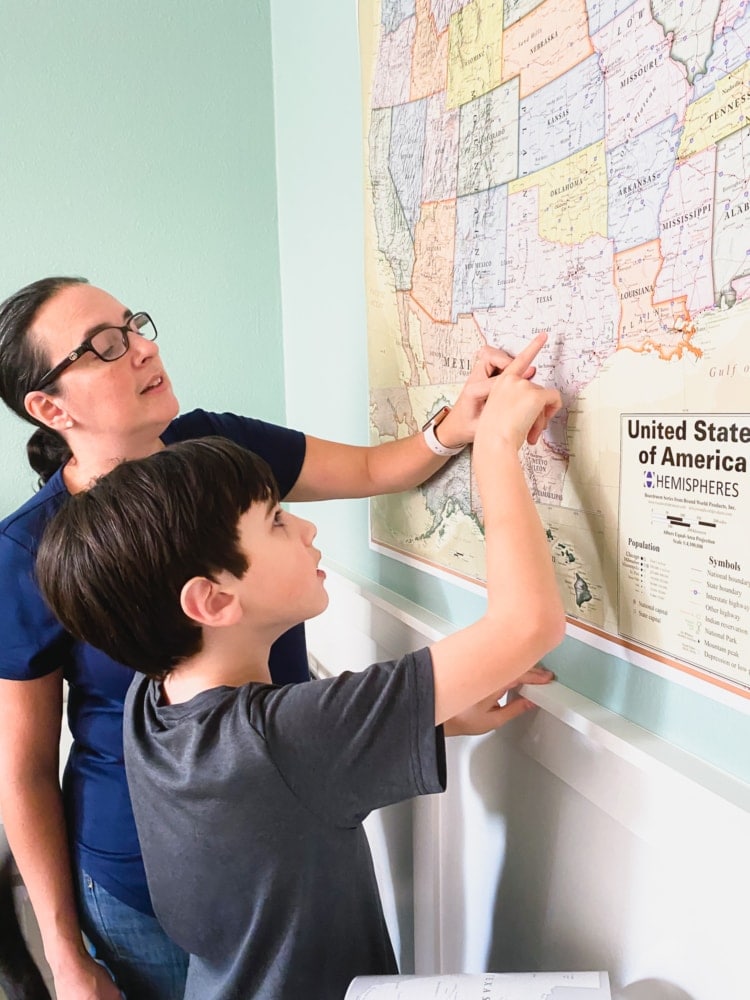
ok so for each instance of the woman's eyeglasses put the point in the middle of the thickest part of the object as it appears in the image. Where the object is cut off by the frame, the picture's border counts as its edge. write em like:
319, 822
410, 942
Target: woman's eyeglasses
108, 344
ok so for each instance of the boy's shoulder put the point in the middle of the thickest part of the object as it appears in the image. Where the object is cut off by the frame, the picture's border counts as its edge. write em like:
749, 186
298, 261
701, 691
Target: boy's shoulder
144, 700
381, 712
255, 696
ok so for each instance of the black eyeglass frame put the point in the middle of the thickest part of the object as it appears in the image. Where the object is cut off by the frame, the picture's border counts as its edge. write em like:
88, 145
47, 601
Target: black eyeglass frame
85, 346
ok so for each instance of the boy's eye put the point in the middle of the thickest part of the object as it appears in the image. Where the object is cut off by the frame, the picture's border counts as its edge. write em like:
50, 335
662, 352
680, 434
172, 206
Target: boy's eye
278, 517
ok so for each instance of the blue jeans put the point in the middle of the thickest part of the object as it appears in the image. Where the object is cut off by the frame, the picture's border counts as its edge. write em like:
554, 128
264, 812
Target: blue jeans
145, 964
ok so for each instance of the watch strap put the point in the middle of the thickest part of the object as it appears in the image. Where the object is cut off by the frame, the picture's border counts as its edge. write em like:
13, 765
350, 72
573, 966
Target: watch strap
431, 438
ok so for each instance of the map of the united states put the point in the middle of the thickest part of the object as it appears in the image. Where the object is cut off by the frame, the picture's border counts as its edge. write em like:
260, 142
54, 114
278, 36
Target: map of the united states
569, 166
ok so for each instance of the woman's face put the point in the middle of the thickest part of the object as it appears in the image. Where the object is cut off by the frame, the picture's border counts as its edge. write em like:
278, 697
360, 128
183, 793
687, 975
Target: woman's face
129, 396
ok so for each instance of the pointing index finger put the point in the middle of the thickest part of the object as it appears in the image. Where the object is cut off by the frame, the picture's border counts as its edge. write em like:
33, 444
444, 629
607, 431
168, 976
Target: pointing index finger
523, 359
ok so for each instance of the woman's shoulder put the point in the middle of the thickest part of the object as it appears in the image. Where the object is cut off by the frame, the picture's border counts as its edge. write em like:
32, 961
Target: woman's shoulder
201, 423
24, 526
247, 431
281, 447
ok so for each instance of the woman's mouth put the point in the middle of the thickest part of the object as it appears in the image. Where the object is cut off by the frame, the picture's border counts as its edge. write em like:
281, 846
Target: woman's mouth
156, 382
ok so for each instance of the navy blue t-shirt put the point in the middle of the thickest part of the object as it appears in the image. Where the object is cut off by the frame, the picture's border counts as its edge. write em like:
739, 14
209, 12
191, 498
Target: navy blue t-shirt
99, 814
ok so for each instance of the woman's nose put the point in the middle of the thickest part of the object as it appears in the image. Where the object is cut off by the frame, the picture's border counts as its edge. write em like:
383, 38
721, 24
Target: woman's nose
142, 349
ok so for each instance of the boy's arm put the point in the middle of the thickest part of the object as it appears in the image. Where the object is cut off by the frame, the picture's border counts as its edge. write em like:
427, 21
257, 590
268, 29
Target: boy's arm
524, 618
488, 715
335, 471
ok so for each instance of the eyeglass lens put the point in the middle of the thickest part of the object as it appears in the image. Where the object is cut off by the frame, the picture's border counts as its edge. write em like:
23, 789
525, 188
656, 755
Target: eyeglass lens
112, 342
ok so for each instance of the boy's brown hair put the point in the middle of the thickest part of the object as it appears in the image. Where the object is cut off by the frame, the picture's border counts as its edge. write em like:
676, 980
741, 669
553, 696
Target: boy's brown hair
113, 561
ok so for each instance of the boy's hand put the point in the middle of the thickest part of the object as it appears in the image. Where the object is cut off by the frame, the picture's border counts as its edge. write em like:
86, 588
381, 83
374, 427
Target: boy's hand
460, 426
517, 409
488, 715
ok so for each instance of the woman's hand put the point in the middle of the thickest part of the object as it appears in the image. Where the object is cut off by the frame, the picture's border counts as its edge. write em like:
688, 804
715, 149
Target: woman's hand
516, 409
85, 979
459, 427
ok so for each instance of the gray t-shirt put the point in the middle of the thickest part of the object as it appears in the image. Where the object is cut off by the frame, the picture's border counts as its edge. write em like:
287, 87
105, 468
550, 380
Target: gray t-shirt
249, 803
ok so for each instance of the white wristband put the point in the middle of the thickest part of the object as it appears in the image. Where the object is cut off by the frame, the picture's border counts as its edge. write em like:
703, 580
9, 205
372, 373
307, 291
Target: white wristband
431, 438
433, 444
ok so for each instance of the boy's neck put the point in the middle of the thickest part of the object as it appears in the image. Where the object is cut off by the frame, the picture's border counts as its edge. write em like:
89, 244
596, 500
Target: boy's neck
217, 665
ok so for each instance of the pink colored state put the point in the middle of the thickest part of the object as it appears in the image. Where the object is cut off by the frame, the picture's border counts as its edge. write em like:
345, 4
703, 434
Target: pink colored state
434, 236
567, 291
440, 151
546, 43
429, 68
644, 86
686, 226
392, 82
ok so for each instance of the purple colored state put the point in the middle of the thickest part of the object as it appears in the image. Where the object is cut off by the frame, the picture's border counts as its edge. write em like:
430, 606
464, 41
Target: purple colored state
638, 175
406, 156
393, 12
561, 118
480, 251
394, 238
601, 12
729, 51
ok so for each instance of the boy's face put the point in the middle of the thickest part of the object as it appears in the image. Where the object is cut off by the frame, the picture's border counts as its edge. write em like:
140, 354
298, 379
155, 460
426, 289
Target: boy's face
282, 585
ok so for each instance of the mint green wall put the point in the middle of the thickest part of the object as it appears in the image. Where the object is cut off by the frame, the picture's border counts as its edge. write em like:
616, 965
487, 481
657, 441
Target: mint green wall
136, 148
319, 170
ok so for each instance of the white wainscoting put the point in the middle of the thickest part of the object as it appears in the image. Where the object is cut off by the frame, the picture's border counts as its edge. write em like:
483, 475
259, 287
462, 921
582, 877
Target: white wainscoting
571, 839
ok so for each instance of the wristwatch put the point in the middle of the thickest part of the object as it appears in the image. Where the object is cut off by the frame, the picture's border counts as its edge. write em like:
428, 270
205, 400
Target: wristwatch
431, 438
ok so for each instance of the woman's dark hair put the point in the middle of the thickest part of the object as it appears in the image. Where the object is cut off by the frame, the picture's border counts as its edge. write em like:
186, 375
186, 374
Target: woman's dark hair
22, 365
113, 561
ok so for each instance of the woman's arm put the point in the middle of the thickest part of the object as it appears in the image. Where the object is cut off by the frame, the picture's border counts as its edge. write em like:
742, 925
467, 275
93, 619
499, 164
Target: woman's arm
333, 471
32, 813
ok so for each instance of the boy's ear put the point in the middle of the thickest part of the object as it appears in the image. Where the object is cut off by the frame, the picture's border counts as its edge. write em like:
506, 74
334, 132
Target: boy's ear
210, 604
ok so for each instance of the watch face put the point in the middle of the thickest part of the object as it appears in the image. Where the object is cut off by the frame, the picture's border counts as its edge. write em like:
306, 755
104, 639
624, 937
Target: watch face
441, 414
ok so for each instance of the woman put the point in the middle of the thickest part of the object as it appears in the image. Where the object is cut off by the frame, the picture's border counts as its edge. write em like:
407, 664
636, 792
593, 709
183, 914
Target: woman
87, 371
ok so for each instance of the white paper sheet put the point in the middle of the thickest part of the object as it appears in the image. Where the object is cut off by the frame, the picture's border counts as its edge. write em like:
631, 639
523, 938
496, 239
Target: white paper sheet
488, 986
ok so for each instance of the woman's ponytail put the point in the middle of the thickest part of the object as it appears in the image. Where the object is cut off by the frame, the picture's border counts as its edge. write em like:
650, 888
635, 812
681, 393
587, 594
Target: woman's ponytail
46, 451
22, 365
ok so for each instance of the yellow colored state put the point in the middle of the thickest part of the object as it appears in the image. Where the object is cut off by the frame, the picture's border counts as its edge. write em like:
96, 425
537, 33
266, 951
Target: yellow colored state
718, 114
572, 196
475, 50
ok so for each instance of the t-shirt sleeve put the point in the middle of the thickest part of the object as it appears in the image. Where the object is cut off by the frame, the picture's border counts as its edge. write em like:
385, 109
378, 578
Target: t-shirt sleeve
281, 447
34, 643
354, 743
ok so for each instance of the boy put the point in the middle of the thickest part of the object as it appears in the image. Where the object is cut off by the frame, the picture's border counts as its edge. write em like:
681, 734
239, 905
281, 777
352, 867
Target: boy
183, 566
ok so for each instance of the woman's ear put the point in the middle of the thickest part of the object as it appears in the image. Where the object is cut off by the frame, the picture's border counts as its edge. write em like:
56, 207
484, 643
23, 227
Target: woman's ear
47, 410
209, 604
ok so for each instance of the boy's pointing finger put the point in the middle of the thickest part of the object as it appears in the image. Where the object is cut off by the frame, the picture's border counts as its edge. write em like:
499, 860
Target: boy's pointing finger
523, 359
